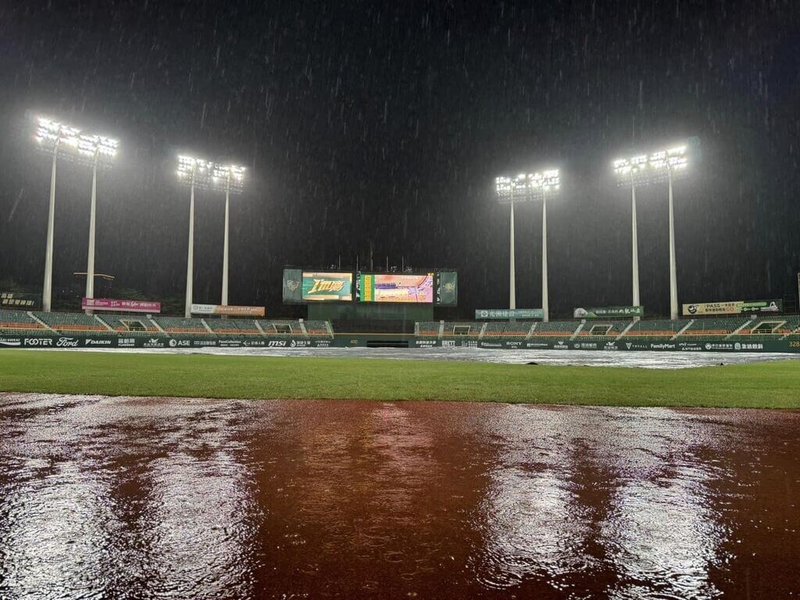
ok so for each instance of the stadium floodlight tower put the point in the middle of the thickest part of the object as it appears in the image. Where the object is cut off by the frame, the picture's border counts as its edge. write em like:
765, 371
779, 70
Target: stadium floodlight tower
208, 175
527, 187
643, 169
66, 141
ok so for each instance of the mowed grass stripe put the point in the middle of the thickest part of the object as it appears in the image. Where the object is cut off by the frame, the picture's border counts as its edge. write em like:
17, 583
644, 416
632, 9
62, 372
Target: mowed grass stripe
764, 385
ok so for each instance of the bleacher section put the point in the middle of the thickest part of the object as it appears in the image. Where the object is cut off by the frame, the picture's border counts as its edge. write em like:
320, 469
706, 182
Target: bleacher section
18, 322
181, 326
71, 322
602, 330
127, 325
770, 328
237, 327
318, 329
554, 330
511, 330
714, 328
656, 330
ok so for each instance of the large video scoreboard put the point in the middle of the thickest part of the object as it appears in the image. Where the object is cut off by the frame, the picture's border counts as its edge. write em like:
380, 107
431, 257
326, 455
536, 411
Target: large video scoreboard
437, 288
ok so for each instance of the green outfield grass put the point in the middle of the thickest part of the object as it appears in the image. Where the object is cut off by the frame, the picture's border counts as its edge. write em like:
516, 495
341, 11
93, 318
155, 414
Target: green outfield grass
767, 385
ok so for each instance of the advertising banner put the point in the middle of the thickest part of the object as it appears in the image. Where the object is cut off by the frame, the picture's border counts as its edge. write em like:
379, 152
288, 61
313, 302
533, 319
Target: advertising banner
136, 306
228, 311
19, 301
507, 313
414, 289
609, 312
736, 307
327, 287
446, 288
292, 286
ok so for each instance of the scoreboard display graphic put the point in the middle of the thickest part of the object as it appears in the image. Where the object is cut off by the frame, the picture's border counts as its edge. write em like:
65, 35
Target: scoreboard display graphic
413, 289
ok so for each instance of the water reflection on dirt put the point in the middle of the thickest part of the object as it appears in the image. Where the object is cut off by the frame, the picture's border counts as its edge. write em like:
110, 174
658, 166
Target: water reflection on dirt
140, 498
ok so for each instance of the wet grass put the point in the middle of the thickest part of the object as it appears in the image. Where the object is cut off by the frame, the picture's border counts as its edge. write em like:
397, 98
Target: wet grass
764, 385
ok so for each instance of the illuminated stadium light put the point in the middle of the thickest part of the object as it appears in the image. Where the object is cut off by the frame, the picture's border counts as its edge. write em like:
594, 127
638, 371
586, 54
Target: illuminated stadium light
66, 141
205, 174
208, 175
54, 137
527, 187
662, 166
656, 167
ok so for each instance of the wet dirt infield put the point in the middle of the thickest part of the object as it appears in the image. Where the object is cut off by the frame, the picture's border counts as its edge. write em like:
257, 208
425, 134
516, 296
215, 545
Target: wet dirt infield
175, 498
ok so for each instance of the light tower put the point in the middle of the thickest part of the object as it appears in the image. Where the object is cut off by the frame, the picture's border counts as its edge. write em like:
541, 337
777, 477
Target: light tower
643, 169
204, 174
64, 141
527, 187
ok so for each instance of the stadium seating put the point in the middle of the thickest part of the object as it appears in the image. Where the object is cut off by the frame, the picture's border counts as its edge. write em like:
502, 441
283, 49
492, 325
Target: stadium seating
236, 327
769, 328
428, 329
181, 326
19, 322
656, 330
318, 329
461, 330
714, 328
71, 322
281, 328
602, 330
554, 330
510, 330
130, 325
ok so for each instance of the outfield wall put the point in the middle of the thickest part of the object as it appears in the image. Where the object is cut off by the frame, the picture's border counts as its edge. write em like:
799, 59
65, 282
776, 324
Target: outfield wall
51, 342
696, 345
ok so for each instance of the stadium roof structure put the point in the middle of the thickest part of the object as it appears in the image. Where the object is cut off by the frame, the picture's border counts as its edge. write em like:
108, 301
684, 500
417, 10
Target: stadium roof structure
527, 186
206, 174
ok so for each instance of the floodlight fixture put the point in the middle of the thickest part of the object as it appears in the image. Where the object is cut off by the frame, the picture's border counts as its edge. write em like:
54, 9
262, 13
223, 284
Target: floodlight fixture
206, 174
656, 167
527, 186
71, 143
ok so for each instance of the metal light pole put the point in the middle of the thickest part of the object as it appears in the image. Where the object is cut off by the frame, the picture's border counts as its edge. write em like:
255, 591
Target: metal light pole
528, 187
657, 167
90, 260
47, 287
634, 248
190, 253
545, 301
63, 140
673, 270
512, 283
225, 241
203, 174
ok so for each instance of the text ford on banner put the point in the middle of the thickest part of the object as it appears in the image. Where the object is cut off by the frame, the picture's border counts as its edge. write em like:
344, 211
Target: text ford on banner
228, 311
136, 306
736, 307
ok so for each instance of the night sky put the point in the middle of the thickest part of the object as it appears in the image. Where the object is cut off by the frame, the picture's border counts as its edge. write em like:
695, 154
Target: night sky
385, 123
